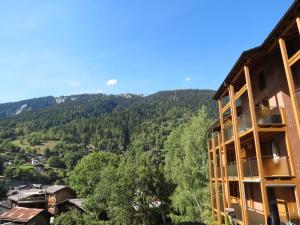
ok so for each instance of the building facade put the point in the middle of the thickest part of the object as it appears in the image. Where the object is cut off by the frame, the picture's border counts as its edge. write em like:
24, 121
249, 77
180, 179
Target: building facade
254, 149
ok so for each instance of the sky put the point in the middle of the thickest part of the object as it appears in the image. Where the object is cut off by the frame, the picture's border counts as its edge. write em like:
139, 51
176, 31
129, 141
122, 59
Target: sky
64, 47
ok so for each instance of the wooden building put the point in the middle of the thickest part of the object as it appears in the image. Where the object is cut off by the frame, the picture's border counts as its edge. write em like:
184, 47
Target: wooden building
26, 216
254, 149
57, 194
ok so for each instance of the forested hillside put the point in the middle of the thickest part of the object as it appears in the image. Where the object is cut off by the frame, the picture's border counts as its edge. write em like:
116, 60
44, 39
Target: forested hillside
130, 148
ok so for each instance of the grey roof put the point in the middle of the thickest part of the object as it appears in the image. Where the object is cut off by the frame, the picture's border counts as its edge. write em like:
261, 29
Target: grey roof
77, 202
26, 193
55, 188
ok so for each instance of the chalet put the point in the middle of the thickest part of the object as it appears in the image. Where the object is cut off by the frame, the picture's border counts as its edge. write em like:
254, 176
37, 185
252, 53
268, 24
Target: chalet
57, 194
26, 216
253, 152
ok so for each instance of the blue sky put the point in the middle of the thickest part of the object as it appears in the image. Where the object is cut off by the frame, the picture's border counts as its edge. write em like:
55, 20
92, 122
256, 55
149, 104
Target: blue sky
59, 47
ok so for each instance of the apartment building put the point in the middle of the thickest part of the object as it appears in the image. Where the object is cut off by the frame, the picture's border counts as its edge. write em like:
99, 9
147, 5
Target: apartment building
254, 149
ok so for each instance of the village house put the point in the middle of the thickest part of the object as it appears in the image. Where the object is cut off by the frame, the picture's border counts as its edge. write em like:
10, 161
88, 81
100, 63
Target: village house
26, 216
57, 194
30, 198
253, 152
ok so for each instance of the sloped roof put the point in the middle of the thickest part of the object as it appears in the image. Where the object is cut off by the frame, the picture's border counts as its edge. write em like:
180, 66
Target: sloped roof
20, 214
25, 194
55, 188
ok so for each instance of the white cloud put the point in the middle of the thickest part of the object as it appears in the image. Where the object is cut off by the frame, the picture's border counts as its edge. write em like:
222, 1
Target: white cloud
188, 79
99, 91
75, 83
111, 82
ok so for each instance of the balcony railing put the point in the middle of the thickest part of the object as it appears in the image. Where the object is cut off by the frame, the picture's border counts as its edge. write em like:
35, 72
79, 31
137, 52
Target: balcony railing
250, 168
255, 217
276, 166
237, 211
273, 166
228, 132
221, 203
219, 171
212, 168
268, 116
244, 122
232, 169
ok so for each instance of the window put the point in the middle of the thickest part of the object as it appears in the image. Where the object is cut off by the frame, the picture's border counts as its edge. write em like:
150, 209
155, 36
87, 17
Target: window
262, 81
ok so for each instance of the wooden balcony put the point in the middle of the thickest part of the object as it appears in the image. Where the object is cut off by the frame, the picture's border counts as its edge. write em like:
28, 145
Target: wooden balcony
244, 122
273, 167
250, 168
268, 117
228, 132
276, 166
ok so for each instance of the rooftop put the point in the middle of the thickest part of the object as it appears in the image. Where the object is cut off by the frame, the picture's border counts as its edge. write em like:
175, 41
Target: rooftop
55, 188
20, 214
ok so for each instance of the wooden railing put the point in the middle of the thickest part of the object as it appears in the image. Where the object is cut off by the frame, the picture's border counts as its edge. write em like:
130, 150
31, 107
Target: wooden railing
276, 166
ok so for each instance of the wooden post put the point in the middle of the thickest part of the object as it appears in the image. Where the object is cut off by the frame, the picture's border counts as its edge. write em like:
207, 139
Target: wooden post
257, 145
222, 171
288, 142
290, 81
238, 154
298, 24
225, 154
216, 182
210, 180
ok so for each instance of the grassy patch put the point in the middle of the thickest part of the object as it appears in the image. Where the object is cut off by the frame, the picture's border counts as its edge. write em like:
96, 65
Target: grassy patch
39, 148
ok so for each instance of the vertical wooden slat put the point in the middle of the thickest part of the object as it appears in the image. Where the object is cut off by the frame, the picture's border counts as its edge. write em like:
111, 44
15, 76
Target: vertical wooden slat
257, 145
225, 154
288, 142
216, 182
210, 180
291, 84
222, 171
298, 24
238, 154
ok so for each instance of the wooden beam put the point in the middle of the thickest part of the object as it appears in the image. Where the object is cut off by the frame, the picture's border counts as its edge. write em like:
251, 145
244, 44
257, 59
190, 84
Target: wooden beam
225, 153
291, 84
210, 179
298, 24
294, 58
237, 145
288, 143
240, 92
257, 145
226, 107
271, 129
216, 183
222, 171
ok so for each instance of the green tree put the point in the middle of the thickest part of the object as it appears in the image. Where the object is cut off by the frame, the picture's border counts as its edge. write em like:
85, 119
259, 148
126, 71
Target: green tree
88, 172
56, 162
186, 166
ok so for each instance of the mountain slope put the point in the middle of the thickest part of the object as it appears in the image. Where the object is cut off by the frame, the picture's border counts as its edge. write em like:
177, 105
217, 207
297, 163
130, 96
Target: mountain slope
84, 123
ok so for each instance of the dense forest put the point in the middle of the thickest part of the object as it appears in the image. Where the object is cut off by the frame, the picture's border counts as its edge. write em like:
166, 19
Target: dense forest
135, 159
